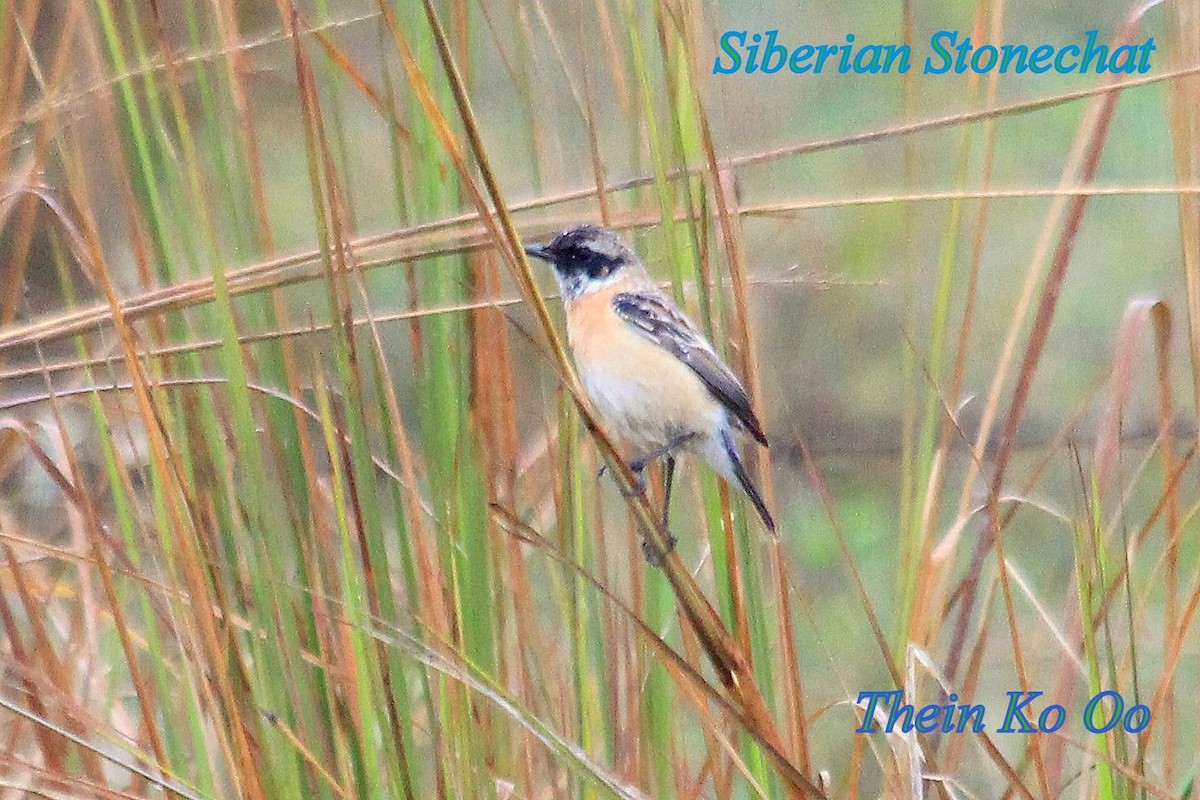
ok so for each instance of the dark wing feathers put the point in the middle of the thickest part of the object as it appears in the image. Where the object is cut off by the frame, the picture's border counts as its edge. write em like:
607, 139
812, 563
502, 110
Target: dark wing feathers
654, 315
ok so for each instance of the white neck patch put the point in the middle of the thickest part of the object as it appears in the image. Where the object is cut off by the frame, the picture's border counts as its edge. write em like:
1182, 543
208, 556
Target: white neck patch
571, 287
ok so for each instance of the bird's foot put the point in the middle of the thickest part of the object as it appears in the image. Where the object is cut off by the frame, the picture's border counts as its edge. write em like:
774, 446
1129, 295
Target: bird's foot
639, 483
653, 557
639, 475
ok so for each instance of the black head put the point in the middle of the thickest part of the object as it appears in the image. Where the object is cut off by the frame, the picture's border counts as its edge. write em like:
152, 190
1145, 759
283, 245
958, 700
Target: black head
584, 254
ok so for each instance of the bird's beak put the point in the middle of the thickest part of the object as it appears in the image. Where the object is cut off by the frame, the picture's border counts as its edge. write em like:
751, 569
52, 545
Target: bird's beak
538, 251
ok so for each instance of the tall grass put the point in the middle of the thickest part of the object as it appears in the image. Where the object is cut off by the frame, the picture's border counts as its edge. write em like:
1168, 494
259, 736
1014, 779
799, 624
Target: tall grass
298, 488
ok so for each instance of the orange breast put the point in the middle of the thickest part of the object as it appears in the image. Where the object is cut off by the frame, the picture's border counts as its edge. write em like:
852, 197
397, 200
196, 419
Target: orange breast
641, 392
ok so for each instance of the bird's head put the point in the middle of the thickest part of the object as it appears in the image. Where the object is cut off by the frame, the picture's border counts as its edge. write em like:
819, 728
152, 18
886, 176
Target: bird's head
585, 257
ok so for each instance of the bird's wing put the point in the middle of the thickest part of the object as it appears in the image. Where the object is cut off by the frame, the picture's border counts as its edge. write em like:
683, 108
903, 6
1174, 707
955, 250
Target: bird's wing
653, 315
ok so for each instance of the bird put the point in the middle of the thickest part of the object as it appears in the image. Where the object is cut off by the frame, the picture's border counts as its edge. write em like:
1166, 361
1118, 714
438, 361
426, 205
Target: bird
653, 378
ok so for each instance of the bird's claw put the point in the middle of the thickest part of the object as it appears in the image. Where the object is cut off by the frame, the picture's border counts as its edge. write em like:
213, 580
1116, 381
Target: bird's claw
639, 485
653, 557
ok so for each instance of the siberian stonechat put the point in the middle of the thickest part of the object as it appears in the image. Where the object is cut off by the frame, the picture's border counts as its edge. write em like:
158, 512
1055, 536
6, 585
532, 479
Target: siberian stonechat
654, 380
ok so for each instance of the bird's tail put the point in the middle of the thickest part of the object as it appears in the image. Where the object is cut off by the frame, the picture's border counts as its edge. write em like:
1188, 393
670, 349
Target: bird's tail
739, 472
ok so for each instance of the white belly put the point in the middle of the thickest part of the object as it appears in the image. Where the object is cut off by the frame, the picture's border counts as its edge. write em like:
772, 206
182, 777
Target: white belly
623, 403
647, 410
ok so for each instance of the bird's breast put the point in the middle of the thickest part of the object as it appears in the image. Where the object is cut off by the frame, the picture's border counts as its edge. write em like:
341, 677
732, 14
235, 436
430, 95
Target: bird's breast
641, 391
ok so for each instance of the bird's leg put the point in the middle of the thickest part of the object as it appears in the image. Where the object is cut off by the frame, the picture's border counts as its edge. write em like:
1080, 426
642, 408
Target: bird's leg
639, 478
638, 465
638, 468
668, 479
653, 557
